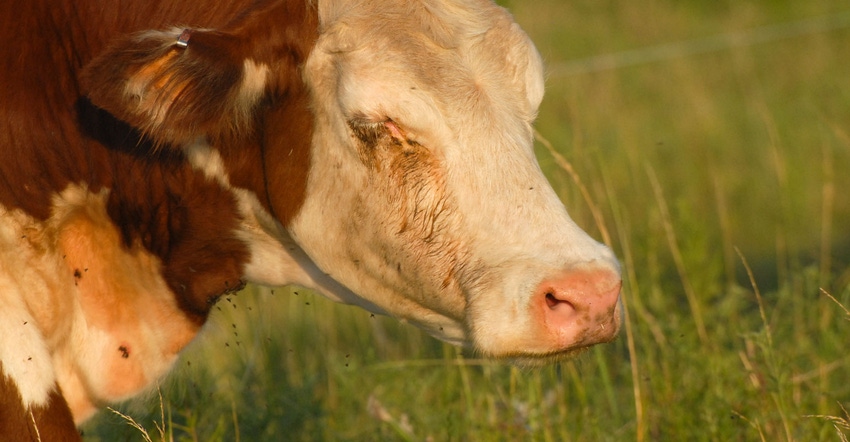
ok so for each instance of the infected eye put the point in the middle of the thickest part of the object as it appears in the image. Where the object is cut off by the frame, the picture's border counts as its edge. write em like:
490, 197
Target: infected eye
370, 132
395, 131
367, 131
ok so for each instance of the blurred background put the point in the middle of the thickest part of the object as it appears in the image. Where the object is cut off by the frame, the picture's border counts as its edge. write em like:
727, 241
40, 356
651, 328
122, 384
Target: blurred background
708, 142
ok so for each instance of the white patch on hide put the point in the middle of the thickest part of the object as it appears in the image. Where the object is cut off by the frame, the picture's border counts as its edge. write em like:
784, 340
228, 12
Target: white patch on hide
254, 77
81, 309
28, 280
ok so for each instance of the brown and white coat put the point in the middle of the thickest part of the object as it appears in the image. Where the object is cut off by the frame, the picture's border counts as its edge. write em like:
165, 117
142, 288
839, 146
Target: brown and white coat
378, 152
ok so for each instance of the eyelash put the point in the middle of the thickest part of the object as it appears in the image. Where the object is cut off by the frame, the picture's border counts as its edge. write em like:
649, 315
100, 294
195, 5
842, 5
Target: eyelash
366, 130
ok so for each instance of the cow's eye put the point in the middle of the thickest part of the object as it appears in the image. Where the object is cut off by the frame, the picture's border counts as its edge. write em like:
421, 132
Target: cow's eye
367, 131
371, 132
395, 131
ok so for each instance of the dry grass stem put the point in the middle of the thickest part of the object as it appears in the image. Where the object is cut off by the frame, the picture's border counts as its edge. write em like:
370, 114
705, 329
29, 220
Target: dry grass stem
564, 164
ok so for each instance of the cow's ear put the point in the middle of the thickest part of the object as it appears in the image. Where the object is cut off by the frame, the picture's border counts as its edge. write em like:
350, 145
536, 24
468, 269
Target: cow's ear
523, 62
178, 85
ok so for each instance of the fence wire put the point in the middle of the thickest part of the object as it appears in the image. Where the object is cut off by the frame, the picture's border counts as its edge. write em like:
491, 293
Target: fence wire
697, 46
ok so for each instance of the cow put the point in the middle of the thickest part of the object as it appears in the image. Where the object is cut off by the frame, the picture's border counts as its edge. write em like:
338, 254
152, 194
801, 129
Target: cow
158, 154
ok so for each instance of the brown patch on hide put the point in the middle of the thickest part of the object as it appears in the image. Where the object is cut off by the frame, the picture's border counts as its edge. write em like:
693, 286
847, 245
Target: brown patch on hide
176, 95
282, 140
45, 45
189, 223
51, 422
287, 142
52, 137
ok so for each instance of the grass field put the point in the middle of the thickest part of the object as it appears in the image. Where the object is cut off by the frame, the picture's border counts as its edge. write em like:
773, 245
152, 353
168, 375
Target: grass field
711, 148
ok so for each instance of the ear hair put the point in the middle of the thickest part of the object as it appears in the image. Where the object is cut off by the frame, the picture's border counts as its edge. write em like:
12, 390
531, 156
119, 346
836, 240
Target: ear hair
176, 87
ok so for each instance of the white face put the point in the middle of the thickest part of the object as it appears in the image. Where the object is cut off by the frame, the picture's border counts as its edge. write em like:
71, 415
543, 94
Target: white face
425, 198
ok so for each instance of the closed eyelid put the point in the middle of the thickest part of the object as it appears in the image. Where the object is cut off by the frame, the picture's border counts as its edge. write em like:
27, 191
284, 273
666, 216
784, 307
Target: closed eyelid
371, 130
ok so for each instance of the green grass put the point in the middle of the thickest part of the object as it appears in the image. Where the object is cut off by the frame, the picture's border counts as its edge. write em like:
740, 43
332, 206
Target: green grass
700, 167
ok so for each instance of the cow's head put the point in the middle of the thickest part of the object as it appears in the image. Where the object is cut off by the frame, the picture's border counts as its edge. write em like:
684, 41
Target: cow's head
422, 196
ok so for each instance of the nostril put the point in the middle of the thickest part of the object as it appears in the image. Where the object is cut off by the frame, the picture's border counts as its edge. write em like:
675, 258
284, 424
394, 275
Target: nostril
550, 300
578, 307
553, 302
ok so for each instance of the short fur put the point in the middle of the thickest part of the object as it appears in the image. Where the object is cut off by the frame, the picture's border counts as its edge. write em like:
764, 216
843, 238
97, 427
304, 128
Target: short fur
163, 213
379, 152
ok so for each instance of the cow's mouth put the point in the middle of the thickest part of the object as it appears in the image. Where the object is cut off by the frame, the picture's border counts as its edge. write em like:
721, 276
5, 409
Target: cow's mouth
532, 360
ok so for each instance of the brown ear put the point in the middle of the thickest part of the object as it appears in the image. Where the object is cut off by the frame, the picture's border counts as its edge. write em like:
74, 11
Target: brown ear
176, 91
209, 83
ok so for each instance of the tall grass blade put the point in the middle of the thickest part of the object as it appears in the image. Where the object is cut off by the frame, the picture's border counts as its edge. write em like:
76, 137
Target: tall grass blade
629, 291
564, 164
678, 260
132, 422
758, 296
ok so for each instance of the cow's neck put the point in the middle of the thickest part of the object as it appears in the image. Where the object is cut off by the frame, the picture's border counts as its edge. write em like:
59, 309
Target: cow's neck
276, 158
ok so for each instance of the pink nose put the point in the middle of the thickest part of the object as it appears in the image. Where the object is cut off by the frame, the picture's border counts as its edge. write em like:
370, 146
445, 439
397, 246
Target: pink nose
580, 308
